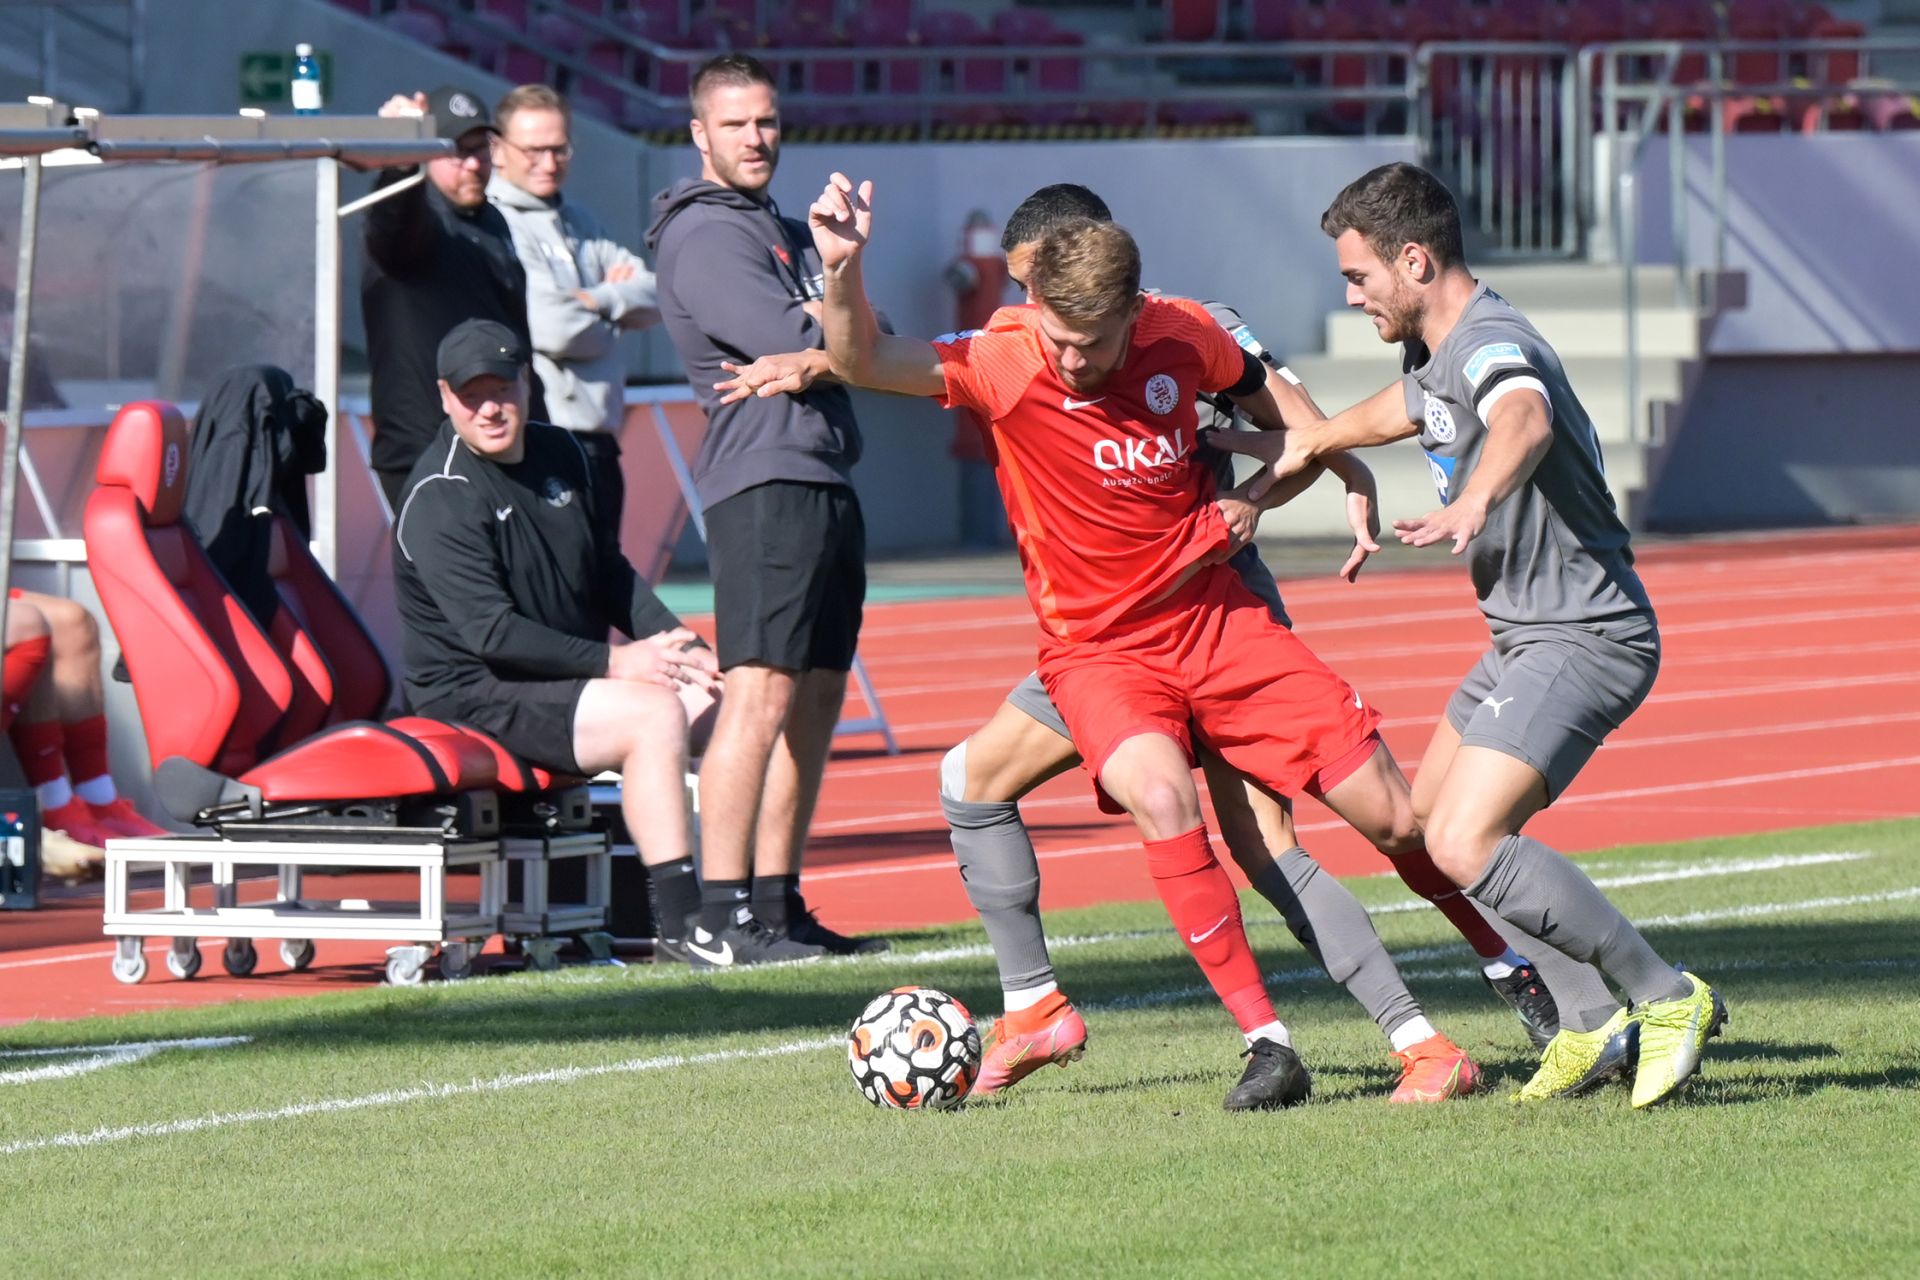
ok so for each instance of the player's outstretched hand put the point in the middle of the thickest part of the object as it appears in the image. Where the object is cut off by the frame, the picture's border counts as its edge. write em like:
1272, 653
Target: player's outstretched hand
1460, 521
782, 375
1363, 517
1363, 510
841, 219
1277, 449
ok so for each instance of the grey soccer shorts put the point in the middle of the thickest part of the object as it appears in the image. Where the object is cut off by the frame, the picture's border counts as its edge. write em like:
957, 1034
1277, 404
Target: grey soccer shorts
1549, 694
1031, 697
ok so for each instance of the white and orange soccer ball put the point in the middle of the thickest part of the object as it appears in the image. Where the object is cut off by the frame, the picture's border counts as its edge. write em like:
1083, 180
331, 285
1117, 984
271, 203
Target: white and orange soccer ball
916, 1049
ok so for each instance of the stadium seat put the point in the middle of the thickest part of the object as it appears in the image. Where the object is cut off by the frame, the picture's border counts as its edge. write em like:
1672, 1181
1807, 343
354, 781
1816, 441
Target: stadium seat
508, 13
417, 24
1892, 112
1191, 20
982, 76
1269, 20
558, 31
224, 707
1581, 22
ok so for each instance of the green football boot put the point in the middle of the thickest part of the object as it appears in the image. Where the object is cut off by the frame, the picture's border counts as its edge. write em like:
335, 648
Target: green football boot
1673, 1034
1577, 1062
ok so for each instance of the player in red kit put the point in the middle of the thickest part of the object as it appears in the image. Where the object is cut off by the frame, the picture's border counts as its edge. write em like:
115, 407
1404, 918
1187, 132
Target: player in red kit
1147, 641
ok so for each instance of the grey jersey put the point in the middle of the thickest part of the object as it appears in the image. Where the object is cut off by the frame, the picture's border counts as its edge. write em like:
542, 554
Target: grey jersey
1556, 550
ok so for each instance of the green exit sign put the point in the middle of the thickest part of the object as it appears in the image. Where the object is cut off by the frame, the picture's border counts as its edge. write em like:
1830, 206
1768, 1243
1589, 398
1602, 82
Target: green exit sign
265, 75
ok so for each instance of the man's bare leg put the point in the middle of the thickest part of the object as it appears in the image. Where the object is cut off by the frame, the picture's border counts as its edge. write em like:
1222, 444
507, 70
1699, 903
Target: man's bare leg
733, 778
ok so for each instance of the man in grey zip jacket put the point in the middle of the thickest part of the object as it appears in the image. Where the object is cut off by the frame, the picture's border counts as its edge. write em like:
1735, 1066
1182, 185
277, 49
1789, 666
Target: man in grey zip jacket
785, 544
583, 288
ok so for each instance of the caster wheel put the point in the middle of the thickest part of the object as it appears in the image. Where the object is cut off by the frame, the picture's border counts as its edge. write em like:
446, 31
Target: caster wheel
183, 958
543, 954
456, 961
129, 961
239, 957
404, 965
296, 953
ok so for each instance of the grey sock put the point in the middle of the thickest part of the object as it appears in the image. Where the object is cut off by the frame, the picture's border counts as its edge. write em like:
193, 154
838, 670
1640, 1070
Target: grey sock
1002, 876
1336, 931
1580, 993
1544, 894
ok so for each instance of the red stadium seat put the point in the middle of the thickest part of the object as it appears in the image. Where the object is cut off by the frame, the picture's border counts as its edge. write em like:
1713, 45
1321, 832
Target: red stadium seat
1581, 22
219, 700
1269, 20
360, 685
1331, 19
417, 24
1192, 20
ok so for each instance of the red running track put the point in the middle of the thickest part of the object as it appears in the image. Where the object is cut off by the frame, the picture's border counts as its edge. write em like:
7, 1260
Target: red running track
1789, 696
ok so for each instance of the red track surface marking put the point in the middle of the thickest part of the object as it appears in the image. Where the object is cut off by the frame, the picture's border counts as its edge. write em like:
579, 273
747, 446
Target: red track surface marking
1789, 696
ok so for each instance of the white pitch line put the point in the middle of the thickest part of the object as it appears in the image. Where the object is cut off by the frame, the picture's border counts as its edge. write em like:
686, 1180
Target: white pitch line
568, 1075
419, 1093
102, 1055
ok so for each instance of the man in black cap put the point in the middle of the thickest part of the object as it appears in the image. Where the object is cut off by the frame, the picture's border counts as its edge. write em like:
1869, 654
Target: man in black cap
437, 254
508, 582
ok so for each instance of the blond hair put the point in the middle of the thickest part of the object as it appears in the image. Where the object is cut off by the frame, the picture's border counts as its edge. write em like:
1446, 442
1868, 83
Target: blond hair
528, 97
1085, 271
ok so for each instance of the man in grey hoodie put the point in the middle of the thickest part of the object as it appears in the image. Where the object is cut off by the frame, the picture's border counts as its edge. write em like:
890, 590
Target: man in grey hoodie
785, 543
583, 287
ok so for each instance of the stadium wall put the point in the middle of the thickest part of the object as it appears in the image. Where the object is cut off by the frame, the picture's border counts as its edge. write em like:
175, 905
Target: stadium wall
1819, 224
1805, 408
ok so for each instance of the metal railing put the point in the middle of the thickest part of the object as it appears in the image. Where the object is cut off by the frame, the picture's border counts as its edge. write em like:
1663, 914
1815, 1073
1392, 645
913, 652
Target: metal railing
1499, 120
1636, 90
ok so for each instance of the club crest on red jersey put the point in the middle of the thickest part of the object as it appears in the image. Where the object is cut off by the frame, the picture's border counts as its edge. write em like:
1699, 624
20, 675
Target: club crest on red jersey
1163, 393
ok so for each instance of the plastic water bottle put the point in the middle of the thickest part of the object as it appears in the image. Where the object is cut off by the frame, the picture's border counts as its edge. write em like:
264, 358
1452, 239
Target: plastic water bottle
306, 81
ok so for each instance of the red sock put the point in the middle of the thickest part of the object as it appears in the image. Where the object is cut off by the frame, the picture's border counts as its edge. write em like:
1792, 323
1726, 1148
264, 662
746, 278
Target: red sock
38, 745
1206, 913
18, 671
1427, 880
86, 748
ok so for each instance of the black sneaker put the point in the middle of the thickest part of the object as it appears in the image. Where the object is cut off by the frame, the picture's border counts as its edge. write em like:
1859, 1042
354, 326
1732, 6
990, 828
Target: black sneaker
746, 942
670, 951
1530, 1000
1275, 1077
808, 929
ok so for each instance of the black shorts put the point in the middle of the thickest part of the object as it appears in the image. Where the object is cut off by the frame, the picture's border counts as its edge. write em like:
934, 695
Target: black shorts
531, 718
789, 568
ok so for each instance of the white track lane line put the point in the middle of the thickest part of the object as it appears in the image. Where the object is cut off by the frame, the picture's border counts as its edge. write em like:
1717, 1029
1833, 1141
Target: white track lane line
632, 1066
921, 816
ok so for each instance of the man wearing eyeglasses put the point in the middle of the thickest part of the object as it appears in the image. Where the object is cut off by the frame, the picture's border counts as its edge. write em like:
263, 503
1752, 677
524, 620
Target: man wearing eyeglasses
583, 288
437, 254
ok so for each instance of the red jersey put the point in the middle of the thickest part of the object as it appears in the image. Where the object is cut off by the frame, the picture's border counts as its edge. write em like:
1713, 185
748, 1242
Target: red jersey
1108, 503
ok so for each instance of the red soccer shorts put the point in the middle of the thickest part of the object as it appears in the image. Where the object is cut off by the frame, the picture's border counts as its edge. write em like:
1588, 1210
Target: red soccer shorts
1211, 656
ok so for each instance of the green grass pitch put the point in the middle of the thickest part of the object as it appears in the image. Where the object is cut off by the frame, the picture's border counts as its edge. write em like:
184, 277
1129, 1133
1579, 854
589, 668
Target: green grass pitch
605, 1121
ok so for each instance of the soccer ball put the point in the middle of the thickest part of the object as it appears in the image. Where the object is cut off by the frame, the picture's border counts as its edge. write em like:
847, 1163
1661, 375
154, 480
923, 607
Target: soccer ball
914, 1048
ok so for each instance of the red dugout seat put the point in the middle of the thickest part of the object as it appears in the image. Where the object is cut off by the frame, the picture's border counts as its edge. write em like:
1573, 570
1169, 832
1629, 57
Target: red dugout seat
216, 694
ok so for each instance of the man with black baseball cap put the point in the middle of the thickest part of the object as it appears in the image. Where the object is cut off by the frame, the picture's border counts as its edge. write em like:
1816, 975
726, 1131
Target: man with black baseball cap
437, 254
508, 582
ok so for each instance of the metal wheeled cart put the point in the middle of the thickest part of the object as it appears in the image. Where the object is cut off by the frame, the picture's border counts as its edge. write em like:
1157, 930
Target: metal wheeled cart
457, 930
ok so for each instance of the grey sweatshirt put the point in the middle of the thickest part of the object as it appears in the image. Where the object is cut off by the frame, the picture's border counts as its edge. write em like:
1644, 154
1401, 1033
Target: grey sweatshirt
733, 276
576, 350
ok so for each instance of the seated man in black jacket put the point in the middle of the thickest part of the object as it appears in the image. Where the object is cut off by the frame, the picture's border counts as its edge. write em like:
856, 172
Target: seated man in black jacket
508, 582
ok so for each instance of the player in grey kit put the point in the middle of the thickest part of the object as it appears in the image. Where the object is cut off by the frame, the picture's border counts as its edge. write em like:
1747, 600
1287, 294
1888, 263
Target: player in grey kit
1575, 646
